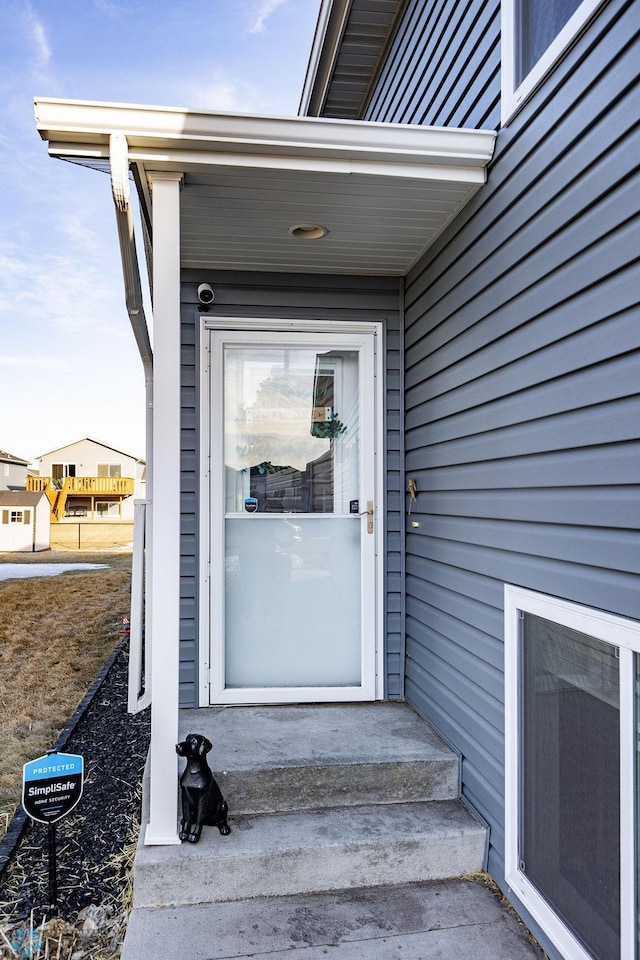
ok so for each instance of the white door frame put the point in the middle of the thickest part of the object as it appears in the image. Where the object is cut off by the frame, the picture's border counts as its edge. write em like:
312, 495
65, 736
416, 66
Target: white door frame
207, 682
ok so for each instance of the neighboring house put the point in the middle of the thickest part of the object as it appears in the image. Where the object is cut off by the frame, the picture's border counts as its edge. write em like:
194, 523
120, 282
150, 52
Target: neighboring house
395, 413
87, 481
24, 521
13, 472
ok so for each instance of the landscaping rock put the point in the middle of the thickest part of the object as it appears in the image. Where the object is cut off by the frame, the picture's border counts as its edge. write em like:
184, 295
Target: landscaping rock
95, 843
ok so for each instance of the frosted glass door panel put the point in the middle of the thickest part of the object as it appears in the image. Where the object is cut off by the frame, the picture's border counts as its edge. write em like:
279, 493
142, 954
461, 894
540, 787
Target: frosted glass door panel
292, 601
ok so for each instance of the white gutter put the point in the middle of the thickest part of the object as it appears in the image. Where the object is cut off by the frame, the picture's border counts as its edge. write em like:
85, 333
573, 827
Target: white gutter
168, 138
120, 185
119, 160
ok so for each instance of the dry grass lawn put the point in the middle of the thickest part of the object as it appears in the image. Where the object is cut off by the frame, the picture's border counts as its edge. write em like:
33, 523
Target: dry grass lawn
55, 635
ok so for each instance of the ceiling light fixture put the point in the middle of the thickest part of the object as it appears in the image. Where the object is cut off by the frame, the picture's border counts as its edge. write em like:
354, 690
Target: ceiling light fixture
308, 231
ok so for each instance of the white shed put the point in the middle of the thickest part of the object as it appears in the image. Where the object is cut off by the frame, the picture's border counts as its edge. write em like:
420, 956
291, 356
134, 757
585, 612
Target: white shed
24, 521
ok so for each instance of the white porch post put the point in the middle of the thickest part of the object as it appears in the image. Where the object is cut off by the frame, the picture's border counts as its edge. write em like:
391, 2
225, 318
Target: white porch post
165, 546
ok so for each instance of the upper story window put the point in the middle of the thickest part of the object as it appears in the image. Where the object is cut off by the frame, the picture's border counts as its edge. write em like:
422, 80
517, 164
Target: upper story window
535, 35
60, 471
109, 469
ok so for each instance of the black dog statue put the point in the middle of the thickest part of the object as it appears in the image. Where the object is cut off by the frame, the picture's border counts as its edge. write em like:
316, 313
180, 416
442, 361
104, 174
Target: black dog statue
202, 801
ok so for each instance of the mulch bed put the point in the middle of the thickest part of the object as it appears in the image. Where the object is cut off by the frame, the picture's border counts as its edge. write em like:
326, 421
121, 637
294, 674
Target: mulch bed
95, 841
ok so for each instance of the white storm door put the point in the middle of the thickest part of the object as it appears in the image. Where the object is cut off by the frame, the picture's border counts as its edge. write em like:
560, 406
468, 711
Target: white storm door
293, 517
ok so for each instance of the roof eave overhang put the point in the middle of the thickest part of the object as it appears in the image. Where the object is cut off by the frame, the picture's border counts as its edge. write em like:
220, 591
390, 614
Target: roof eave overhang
173, 138
345, 159
332, 18
350, 46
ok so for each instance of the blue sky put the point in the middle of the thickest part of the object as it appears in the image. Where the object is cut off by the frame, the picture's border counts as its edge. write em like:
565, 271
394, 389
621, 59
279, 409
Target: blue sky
69, 367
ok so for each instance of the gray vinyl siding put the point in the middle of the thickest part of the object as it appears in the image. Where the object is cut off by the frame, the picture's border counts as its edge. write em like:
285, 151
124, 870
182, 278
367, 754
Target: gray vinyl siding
443, 67
16, 476
288, 296
522, 336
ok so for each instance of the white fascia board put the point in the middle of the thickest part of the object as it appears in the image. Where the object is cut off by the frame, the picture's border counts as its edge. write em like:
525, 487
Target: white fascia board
324, 51
202, 137
183, 161
186, 160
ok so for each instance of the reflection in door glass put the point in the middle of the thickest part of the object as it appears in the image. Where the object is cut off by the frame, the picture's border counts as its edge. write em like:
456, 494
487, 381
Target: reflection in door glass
291, 430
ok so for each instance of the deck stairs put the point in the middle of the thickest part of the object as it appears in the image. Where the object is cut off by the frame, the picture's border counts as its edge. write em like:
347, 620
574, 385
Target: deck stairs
321, 798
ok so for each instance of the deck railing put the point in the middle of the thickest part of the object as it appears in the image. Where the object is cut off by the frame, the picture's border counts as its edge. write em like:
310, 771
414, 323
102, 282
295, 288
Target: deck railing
73, 486
59, 491
37, 484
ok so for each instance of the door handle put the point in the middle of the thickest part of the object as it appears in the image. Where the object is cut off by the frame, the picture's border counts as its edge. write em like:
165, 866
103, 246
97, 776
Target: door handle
369, 516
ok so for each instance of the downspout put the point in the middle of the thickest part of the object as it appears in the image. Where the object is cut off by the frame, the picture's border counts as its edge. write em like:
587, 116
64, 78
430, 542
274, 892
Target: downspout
120, 186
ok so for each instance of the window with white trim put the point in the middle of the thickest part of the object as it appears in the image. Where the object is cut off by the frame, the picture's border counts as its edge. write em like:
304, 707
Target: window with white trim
59, 473
109, 469
16, 516
535, 36
571, 704
107, 509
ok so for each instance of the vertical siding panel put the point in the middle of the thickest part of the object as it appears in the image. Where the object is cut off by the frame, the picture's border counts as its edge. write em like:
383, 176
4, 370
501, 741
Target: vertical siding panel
292, 297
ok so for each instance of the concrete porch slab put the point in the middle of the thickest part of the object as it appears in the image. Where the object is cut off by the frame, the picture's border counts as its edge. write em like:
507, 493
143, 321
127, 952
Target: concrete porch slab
271, 759
446, 920
312, 851
311, 734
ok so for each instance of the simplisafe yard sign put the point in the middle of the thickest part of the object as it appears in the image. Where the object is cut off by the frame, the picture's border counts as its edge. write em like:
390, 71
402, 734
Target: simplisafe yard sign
52, 786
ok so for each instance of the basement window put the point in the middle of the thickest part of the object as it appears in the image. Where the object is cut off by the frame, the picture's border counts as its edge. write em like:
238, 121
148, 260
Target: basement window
571, 752
535, 36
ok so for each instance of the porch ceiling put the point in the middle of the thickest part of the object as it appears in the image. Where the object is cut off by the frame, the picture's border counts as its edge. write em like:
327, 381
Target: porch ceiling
383, 191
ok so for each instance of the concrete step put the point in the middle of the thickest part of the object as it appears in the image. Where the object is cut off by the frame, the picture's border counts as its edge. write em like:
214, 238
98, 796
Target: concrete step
282, 758
454, 919
312, 851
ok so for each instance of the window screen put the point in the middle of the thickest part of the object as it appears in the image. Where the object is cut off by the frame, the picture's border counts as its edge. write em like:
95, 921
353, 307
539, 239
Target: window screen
570, 830
539, 23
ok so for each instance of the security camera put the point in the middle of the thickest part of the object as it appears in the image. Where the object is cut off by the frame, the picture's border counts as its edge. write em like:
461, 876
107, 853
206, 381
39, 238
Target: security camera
205, 294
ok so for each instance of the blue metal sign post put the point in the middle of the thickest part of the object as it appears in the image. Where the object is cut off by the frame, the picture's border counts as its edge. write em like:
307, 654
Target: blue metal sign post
51, 788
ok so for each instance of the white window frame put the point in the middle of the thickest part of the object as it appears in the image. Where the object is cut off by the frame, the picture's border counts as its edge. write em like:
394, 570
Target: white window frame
65, 469
15, 515
513, 97
108, 515
108, 469
625, 636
